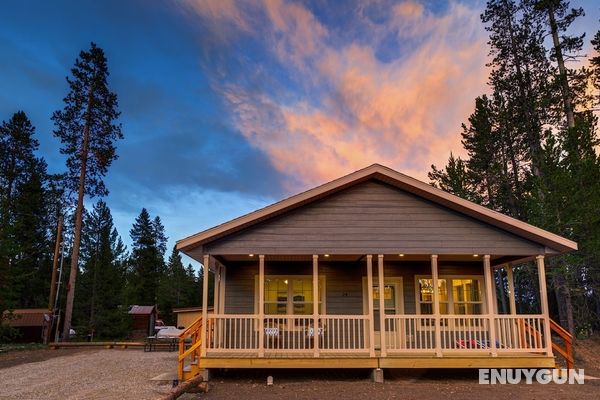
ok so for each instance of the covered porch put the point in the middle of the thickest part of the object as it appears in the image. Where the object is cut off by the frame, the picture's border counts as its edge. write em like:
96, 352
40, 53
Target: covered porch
266, 314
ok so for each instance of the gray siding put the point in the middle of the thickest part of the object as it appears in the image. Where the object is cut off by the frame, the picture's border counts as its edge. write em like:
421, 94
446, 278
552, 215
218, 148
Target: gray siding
343, 282
373, 218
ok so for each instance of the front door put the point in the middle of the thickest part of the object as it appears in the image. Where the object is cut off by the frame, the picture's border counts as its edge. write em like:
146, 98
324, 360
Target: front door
393, 303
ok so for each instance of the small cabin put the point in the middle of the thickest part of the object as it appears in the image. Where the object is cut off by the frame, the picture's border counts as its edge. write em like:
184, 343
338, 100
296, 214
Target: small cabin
31, 323
143, 321
187, 315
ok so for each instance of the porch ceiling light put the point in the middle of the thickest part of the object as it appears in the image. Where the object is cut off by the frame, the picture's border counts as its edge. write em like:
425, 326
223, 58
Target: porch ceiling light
475, 255
326, 255
400, 255
250, 255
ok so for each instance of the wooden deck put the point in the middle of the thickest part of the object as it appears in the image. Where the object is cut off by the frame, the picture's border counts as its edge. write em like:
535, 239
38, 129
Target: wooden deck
352, 360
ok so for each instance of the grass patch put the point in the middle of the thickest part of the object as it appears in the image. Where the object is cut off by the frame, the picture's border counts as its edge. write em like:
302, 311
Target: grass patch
7, 347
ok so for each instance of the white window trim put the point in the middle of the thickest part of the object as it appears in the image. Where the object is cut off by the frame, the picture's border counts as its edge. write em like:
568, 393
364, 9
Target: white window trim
448, 279
322, 294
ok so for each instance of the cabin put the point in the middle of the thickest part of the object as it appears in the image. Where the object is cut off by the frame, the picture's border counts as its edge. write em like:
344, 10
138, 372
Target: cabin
143, 321
186, 316
31, 323
372, 270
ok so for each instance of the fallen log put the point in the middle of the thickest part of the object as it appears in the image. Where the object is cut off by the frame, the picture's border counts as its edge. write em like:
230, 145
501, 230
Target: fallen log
184, 387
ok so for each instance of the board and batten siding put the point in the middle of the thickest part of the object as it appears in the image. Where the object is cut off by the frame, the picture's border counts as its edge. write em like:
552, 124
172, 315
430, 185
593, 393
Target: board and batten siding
343, 282
373, 218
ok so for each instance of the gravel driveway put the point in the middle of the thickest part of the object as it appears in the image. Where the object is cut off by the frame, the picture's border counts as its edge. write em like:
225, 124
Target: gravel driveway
101, 374
126, 374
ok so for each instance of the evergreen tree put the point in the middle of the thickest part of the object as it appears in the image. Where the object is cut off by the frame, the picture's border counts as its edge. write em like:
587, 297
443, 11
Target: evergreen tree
532, 148
24, 246
102, 310
519, 76
595, 67
192, 291
454, 178
177, 287
86, 127
558, 18
32, 262
146, 264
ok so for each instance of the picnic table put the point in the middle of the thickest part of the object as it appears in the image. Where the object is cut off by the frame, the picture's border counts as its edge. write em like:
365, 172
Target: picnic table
152, 341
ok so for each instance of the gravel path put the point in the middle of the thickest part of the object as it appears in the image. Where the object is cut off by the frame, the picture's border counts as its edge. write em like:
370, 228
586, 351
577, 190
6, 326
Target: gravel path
102, 374
126, 374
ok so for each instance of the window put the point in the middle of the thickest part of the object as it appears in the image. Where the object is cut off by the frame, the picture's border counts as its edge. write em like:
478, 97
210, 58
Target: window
389, 299
290, 294
465, 296
426, 295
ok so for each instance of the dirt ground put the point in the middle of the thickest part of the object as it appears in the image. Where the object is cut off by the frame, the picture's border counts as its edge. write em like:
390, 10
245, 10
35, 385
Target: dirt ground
84, 374
126, 374
14, 358
399, 384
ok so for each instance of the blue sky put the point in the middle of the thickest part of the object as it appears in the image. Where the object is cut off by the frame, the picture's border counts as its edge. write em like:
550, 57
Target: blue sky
228, 106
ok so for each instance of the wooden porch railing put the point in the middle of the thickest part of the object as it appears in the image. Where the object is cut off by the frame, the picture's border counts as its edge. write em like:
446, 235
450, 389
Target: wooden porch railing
240, 334
464, 333
191, 353
567, 338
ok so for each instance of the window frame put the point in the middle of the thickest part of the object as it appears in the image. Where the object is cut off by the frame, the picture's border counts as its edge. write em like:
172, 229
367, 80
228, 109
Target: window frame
450, 293
290, 300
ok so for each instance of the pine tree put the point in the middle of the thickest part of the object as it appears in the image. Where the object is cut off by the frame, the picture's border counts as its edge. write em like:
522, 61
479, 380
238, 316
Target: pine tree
173, 285
86, 127
147, 259
23, 217
595, 67
454, 178
519, 74
101, 311
558, 18
532, 148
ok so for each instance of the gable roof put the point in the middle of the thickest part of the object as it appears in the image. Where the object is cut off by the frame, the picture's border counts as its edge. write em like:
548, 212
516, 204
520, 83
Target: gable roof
27, 317
394, 178
141, 310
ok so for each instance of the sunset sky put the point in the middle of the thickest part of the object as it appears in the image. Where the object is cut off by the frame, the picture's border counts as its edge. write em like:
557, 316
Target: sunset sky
228, 106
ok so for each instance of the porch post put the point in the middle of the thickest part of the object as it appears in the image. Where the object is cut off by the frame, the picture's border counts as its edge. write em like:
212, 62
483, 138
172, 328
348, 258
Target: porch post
381, 305
261, 305
316, 305
544, 303
436, 305
222, 277
511, 289
370, 305
487, 274
217, 289
204, 330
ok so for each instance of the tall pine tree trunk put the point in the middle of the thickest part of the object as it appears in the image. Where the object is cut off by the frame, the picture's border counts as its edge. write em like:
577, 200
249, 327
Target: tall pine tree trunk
564, 301
92, 323
78, 222
566, 92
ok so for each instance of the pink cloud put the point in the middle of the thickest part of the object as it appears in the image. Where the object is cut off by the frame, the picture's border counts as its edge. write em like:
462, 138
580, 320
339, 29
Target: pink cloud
405, 113
409, 9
